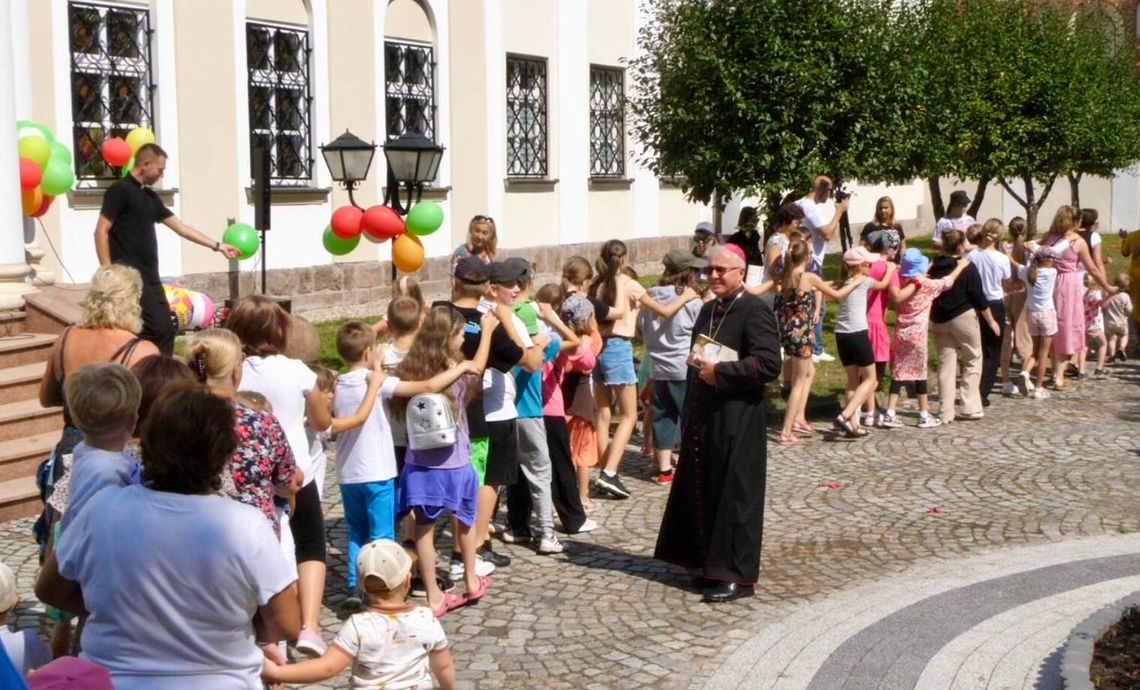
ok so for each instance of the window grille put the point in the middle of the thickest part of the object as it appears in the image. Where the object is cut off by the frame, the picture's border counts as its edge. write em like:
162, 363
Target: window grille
111, 87
607, 122
280, 101
526, 117
409, 87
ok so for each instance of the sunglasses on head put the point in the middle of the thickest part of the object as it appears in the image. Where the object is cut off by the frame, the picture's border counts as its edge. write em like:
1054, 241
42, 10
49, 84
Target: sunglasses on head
482, 219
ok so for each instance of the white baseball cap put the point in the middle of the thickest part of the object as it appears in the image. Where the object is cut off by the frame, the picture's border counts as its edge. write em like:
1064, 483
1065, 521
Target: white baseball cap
383, 559
8, 595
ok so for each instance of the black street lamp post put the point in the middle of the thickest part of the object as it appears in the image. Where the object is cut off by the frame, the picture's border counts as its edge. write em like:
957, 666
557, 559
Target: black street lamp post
413, 160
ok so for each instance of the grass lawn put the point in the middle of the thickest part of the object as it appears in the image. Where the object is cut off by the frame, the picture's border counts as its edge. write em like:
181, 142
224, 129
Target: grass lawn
830, 379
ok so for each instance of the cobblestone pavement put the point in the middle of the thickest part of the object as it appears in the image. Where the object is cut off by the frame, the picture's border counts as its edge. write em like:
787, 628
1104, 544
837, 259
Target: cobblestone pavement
841, 515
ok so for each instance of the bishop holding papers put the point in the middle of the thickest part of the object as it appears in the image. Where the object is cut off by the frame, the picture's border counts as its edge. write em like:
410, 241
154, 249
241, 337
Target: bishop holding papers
714, 519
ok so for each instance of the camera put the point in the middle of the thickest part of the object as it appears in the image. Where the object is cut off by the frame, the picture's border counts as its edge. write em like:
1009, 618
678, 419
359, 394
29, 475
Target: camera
841, 196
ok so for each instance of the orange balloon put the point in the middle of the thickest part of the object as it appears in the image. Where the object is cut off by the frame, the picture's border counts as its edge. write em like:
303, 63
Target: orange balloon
407, 253
31, 199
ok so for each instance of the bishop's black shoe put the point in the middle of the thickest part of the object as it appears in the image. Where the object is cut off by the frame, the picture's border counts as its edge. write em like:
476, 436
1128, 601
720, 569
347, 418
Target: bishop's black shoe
727, 591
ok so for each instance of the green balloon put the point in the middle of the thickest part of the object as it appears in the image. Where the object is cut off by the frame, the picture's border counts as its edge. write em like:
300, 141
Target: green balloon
27, 127
128, 167
336, 245
244, 238
58, 177
35, 149
424, 218
60, 152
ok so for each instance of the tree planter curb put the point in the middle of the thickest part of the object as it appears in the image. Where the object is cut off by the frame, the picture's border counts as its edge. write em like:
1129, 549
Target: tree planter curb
1076, 659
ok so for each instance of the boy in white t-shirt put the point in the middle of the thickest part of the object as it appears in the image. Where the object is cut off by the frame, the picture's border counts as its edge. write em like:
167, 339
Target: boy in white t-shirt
392, 645
24, 648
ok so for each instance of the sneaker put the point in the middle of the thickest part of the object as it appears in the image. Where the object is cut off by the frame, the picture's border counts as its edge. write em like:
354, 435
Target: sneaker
310, 644
445, 584
889, 421
823, 357
1099, 374
353, 603
929, 422
1039, 394
972, 417
868, 419
1008, 388
612, 485
482, 568
1024, 385
496, 559
815, 359
664, 478
510, 536
587, 526
550, 545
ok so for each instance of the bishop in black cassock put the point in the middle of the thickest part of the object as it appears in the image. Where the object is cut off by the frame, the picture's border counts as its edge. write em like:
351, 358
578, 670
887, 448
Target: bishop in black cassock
714, 519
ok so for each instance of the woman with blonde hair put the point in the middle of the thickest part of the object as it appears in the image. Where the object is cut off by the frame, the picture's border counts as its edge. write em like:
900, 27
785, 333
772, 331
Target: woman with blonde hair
482, 241
1069, 291
885, 221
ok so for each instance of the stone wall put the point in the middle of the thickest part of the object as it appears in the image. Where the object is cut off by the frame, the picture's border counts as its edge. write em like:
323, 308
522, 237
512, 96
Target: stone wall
362, 288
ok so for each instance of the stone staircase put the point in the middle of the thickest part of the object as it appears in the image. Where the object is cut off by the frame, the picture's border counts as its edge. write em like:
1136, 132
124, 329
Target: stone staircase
28, 432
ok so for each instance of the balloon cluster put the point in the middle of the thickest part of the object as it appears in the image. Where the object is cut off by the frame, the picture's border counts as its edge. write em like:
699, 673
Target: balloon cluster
45, 168
120, 152
380, 223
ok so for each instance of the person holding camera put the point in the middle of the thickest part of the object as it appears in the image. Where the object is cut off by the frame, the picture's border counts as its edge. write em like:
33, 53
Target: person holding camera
816, 220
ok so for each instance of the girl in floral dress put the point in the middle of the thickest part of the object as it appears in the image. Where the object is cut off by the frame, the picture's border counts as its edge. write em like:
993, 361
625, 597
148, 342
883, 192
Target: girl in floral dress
795, 311
908, 349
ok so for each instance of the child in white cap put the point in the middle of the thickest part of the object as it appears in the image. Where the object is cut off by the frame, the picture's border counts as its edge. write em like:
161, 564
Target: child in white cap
391, 645
24, 648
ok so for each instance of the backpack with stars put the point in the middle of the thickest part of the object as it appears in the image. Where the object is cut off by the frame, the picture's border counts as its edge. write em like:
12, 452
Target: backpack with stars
431, 423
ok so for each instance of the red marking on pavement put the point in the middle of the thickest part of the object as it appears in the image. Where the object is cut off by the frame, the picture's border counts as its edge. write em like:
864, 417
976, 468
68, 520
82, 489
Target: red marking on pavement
829, 485
935, 510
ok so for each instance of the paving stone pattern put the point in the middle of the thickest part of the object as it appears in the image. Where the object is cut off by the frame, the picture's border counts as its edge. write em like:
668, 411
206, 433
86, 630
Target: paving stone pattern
840, 514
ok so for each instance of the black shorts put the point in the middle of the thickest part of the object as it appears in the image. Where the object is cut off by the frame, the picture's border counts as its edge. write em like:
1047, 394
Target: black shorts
502, 453
854, 349
308, 525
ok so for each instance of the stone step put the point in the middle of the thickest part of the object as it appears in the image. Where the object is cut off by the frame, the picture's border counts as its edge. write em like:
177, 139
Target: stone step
21, 456
19, 498
25, 418
25, 348
21, 382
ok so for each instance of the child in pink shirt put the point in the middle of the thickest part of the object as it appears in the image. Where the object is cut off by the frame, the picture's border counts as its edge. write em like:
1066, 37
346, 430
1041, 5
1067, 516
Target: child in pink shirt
881, 243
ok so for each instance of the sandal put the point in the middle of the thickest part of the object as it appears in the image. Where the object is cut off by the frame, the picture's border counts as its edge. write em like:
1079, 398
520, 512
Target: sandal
790, 440
844, 426
472, 597
803, 428
451, 601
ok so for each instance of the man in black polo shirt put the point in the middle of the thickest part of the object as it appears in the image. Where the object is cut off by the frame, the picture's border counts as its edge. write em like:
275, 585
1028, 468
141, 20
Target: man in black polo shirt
125, 235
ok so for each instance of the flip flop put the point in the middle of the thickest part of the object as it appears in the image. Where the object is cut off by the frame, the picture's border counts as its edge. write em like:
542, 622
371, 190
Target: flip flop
472, 597
451, 601
790, 440
803, 428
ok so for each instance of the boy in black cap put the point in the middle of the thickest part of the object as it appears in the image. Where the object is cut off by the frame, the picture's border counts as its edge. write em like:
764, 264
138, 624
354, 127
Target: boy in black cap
956, 217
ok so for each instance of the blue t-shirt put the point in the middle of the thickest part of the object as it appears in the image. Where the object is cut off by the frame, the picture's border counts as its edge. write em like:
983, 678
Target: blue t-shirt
528, 384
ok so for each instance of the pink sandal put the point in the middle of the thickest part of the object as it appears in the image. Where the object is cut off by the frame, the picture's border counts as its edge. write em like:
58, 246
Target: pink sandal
790, 440
472, 597
451, 601
803, 428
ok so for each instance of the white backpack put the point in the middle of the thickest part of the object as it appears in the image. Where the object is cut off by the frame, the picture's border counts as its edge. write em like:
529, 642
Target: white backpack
430, 422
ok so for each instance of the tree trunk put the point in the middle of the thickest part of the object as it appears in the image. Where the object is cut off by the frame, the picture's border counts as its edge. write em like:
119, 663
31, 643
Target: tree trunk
979, 195
935, 185
718, 213
1031, 206
1075, 189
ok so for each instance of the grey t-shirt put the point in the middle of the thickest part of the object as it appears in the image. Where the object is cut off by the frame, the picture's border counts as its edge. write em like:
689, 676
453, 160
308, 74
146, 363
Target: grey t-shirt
667, 342
853, 310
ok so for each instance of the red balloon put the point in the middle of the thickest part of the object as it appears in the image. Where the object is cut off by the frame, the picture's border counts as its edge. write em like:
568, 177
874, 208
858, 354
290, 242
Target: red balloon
116, 152
30, 174
346, 222
44, 206
382, 223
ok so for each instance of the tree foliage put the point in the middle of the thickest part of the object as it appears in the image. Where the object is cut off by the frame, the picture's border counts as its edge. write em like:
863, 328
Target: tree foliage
760, 95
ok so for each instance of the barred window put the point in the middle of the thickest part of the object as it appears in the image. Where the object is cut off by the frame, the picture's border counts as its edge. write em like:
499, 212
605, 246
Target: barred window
111, 87
526, 117
280, 101
607, 123
409, 81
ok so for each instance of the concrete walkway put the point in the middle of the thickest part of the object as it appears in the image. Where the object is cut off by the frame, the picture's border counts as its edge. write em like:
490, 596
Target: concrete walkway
956, 557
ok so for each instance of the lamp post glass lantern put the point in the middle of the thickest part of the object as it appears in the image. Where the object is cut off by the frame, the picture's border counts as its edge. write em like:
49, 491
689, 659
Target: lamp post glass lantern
348, 159
412, 160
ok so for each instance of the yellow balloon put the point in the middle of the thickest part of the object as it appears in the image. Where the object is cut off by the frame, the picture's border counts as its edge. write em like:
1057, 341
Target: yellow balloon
138, 137
407, 253
31, 199
35, 149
